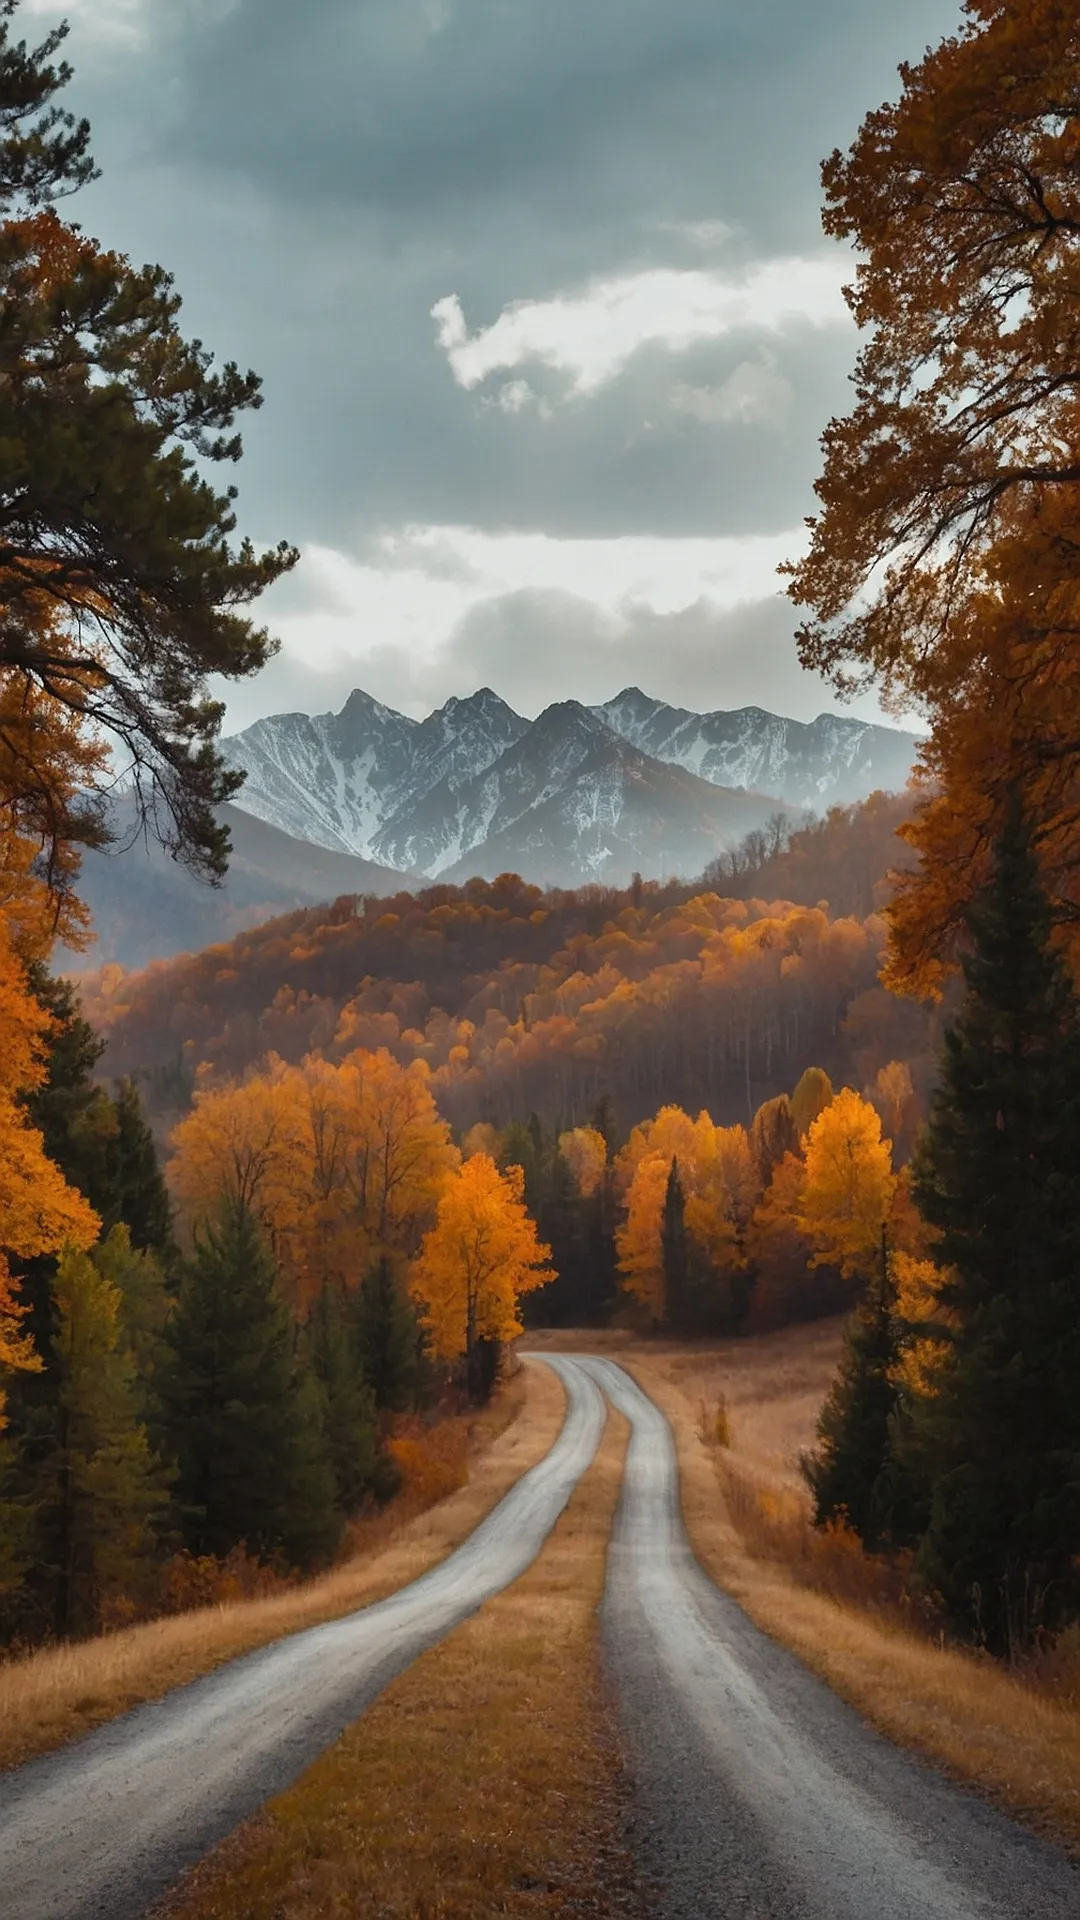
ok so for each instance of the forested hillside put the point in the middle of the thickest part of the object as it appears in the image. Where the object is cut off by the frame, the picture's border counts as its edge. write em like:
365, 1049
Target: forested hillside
516, 999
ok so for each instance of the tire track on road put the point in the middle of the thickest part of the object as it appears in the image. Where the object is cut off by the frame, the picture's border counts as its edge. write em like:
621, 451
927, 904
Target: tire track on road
761, 1795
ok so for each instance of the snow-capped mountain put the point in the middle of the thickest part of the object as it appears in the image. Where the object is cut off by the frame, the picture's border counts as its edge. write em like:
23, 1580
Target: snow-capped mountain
818, 763
579, 793
337, 778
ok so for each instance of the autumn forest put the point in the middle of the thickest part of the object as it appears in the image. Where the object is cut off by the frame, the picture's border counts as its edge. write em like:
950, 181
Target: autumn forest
274, 1214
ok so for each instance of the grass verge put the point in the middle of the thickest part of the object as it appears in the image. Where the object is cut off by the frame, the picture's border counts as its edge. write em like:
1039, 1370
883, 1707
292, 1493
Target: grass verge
747, 1517
484, 1781
58, 1693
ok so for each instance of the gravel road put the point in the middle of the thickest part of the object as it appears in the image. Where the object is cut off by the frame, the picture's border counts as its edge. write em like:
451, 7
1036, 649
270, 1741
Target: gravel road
100, 1829
760, 1795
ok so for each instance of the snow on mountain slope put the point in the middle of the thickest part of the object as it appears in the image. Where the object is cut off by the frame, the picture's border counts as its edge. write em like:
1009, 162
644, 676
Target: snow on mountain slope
824, 762
617, 812
576, 793
560, 751
336, 778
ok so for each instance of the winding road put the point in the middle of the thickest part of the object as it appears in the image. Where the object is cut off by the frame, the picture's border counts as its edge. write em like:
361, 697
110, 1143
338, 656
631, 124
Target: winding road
99, 1830
759, 1794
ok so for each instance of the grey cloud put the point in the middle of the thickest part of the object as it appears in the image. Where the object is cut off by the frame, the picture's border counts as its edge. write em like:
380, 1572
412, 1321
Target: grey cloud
318, 176
536, 647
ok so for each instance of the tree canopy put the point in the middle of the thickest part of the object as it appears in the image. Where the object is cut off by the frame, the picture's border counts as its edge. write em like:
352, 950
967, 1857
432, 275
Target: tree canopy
121, 589
942, 564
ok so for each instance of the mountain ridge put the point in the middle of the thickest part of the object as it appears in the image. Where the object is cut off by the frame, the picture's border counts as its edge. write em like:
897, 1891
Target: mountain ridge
474, 786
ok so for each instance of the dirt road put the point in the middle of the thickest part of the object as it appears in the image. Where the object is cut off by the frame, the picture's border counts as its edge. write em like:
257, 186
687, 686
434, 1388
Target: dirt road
100, 1829
760, 1795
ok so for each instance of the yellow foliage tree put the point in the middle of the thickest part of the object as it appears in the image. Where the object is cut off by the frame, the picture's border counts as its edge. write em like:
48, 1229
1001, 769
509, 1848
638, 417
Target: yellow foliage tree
923, 1358
244, 1144
585, 1150
638, 1241
709, 1157
51, 761
338, 1163
480, 1257
780, 1250
849, 1185
39, 1212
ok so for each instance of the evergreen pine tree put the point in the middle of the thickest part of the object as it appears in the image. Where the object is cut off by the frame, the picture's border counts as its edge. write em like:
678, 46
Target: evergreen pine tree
387, 1338
144, 1311
676, 1253
523, 1146
601, 1258
995, 1174
850, 1473
75, 1117
348, 1404
560, 1220
107, 1491
139, 1197
244, 1421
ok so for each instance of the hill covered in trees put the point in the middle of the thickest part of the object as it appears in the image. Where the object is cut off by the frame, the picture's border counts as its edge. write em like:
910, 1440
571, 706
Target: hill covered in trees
517, 999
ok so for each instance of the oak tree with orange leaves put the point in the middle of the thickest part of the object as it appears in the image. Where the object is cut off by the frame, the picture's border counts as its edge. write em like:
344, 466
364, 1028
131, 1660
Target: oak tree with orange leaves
480, 1257
943, 562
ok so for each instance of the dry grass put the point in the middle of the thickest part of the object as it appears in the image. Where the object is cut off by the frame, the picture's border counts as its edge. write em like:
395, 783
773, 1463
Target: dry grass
1015, 1738
484, 1781
54, 1695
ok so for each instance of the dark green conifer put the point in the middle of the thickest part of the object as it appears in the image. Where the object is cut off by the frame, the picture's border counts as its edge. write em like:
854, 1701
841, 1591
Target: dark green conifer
996, 1175
850, 1473
101, 1488
244, 1418
349, 1421
387, 1338
139, 1196
678, 1309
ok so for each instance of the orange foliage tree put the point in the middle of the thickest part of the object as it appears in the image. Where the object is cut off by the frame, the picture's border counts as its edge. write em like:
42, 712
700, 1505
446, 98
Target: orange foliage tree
716, 1173
39, 1212
476, 1262
943, 562
338, 1163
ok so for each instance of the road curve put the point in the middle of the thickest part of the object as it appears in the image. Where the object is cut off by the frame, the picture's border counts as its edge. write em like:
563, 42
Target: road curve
760, 1794
100, 1829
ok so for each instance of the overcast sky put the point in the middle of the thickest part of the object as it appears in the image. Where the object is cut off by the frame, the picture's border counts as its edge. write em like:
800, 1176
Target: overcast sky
547, 324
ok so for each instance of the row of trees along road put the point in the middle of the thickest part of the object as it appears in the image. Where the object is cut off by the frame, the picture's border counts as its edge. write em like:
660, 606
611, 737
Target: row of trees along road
121, 591
943, 566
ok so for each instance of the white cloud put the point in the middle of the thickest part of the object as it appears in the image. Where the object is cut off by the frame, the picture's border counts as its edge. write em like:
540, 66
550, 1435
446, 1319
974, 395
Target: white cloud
590, 336
395, 617
440, 610
756, 394
516, 395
